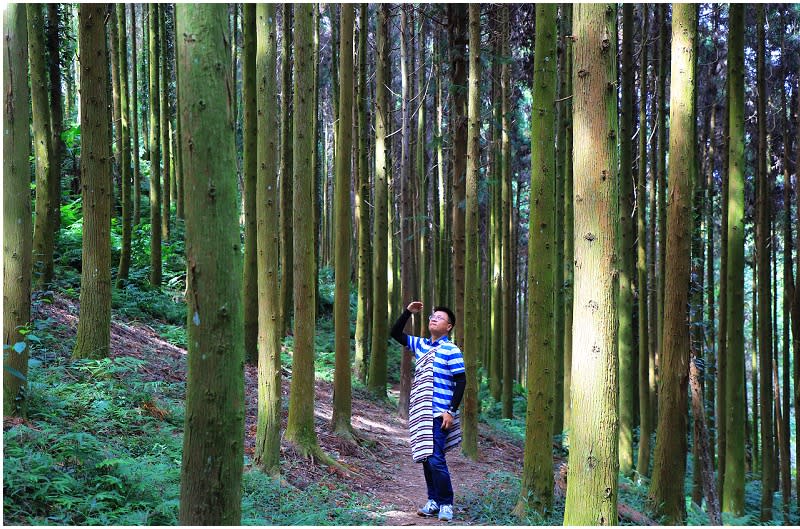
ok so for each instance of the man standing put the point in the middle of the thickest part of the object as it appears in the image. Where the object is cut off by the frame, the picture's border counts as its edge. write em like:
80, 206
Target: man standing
433, 423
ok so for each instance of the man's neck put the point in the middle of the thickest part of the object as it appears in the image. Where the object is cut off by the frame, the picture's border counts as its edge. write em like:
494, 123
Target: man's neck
435, 338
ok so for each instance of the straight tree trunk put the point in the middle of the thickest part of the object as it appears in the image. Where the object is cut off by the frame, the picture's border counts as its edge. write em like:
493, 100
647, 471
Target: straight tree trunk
472, 301
286, 183
47, 208
669, 466
420, 176
125, 154
94, 324
701, 436
155, 149
645, 416
137, 176
494, 365
443, 280
116, 134
536, 492
213, 447
733, 490
164, 111
376, 382
627, 375
594, 458
268, 430
509, 317
457, 19
300, 427
796, 298
342, 390
362, 198
569, 243
763, 243
250, 289
17, 229
178, 160
661, 153
56, 107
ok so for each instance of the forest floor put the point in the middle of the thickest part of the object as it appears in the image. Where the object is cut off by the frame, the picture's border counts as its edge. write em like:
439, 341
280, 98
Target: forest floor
377, 464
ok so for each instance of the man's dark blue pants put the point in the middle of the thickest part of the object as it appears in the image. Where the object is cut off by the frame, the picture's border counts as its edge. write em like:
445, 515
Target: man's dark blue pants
437, 476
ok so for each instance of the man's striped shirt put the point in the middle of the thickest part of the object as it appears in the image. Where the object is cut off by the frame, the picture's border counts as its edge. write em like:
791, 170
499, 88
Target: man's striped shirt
448, 361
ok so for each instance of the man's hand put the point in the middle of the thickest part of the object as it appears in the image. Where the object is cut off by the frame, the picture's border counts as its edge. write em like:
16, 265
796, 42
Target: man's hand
447, 421
414, 306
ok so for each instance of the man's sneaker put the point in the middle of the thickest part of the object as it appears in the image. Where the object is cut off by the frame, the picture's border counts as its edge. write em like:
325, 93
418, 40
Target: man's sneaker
446, 513
430, 509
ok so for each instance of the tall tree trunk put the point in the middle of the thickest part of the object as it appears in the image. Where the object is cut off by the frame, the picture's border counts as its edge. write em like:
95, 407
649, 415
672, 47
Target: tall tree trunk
56, 107
764, 281
155, 149
342, 391
569, 243
286, 183
661, 153
733, 490
268, 430
17, 229
137, 176
362, 197
537, 474
796, 297
250, 289
457, 19
494, 365
420, 176
164, 111
669, 466
116, 135
94, 325
125, 154
645, 417
213, 448
44, 236
443, 280
472, 301
701, 437
594, 459
376, 382
300, 427
178, 160
627, 376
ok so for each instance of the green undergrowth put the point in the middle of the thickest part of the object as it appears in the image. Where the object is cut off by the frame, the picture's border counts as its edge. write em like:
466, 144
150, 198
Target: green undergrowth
492, 502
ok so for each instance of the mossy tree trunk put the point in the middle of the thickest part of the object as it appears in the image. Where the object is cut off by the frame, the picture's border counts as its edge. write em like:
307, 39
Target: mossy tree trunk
94, 324
125, 154
155, 148
661, 171
17, 229
268, 430
300, 427
164, 119
44, 235
472, 296
627, 376
537, 475
763, 246
457, 18
116, 115
376, 382
669, 466
342, 390
250, 288
134, 118
645, 416
733, 489
286, 183
594, 459
213, 447
361, 199
54, 42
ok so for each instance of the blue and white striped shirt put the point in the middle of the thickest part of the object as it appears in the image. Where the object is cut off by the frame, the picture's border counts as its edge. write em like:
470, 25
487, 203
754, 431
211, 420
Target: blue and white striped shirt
448, 361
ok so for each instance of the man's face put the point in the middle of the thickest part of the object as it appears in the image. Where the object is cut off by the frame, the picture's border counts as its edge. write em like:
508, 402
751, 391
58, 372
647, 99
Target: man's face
439, 323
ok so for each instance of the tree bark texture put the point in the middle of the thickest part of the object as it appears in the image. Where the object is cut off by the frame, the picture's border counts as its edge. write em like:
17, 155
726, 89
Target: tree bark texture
213, 443
125, 154
268, 429
250, 169
94, 324
47, 208
705, 462
594, 458
537, 476
376, 382
17, 228
669, 465
733, 489
300, 427
137, 177
163, 116
54, 42
286, 183
342, 391
155, 149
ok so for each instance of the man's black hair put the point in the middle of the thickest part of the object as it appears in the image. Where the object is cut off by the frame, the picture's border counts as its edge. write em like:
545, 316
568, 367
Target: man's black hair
450, 315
